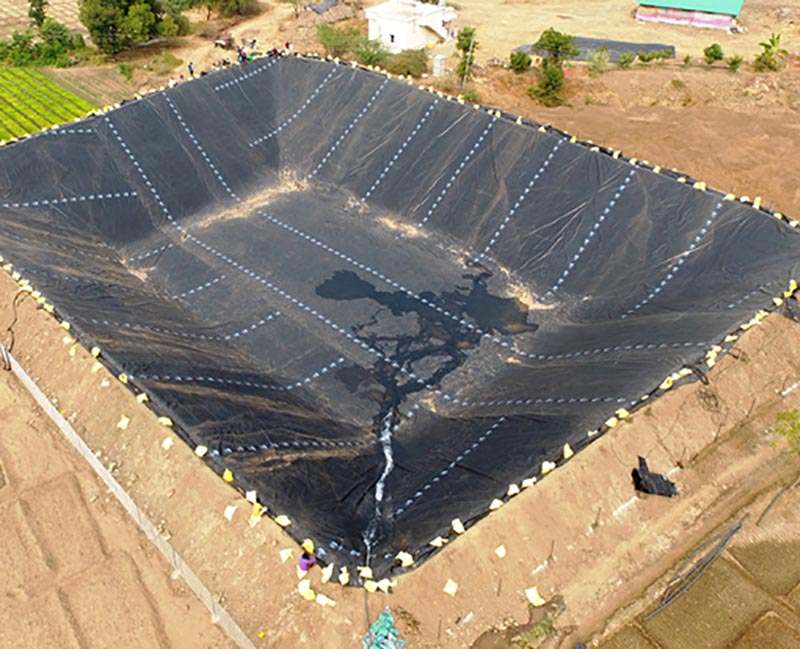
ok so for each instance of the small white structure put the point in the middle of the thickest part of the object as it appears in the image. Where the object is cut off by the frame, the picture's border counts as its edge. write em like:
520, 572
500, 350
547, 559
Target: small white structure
439, 65
410, 25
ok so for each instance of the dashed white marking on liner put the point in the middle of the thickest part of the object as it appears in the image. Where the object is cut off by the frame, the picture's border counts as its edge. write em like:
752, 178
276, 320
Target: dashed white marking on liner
46, 202
294, 115
531, 184
475, 146
349, 128
400, 151
249, 75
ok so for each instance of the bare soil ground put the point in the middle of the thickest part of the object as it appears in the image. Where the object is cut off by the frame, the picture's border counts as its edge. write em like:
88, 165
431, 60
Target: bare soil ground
76, 572
506, 24
748, 599
735, 132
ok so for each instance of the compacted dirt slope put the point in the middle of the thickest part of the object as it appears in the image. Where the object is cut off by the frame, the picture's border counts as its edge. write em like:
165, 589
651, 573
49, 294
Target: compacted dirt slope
75, 570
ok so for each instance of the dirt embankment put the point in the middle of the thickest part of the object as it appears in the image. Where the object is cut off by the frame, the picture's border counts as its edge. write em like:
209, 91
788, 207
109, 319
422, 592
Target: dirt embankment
76, 571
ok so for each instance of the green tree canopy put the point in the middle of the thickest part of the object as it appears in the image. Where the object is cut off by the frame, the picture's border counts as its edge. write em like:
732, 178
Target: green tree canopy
556, 47
467, 40
117, 24
226, 8
139, 24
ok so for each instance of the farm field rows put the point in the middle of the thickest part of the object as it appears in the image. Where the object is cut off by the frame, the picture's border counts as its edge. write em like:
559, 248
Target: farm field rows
30, 102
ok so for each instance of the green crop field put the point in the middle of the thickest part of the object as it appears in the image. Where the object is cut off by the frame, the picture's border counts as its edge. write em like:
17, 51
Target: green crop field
30, 102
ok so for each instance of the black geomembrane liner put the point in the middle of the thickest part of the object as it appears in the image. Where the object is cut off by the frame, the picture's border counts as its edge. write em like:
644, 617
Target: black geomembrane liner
375, 306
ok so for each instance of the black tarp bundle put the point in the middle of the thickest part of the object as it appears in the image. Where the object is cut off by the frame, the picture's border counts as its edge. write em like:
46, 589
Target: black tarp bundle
377, 307
648, 482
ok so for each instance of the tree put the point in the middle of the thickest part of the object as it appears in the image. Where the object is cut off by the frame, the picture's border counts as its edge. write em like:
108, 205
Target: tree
103, 19
555, 47
226, 8
57, 43
229, 8
767, 60
20, 50
54, 47
117, 24
713, 53
549, 89
209, 5
37, 11
467, 42
168, 27
140, 23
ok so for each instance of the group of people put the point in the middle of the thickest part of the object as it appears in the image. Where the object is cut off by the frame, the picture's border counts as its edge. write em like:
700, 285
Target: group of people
244, 52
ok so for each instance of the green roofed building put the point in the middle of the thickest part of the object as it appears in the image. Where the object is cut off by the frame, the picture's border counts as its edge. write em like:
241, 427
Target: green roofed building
713, 14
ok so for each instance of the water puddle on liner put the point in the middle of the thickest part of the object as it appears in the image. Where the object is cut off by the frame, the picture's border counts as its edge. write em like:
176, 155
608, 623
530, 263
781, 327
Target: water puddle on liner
439, 344
419, 357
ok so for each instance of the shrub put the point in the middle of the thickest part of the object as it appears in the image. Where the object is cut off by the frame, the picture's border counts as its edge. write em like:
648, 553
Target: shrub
598, 61
55, 47
626, 59
338, 41
371, 52
687, 61
713, 53
57, 44
644, 57
549, 89
471, 96
520, 61
767, 60
413, 62
735, 62
168, 27
788, 427
20, 50
126, 70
